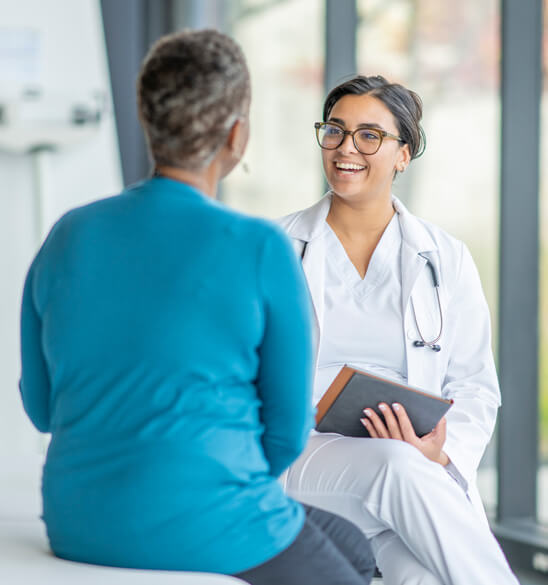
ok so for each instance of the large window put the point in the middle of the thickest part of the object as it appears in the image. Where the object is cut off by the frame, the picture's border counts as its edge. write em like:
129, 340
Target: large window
448, 52
451, 53
284, 45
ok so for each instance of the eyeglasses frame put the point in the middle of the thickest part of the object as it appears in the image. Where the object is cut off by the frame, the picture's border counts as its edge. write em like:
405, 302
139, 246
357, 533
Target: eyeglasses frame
383, 134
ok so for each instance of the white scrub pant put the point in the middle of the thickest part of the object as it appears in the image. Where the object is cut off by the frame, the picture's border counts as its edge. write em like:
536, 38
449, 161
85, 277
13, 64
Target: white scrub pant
423, 528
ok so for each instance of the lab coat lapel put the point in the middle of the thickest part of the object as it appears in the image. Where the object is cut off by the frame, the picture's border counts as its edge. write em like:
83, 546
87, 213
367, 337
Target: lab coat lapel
411, 267
415, 241
416, 292
314, 269
307, 228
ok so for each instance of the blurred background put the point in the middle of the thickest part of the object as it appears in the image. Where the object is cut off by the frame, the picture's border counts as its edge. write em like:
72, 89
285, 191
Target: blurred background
69, 134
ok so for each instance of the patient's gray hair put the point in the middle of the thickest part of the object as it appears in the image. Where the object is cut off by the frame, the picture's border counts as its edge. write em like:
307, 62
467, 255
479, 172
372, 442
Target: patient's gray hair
192, 87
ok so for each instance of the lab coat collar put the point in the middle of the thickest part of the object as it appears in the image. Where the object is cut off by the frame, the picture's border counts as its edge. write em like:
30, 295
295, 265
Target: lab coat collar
414, 233
309, 224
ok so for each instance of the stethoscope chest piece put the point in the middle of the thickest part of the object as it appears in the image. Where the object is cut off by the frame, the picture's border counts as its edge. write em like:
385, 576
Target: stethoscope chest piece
433, 346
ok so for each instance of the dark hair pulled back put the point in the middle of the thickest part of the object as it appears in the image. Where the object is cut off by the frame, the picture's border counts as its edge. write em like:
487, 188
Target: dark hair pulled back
404, 104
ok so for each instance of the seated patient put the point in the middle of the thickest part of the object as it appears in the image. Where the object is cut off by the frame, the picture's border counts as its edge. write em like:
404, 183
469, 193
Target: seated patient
166, 348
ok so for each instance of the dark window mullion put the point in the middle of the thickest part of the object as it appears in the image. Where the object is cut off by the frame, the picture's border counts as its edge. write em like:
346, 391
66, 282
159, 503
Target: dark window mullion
519, 258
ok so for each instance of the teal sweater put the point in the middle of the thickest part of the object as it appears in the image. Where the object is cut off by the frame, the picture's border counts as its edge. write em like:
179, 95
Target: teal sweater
166, 348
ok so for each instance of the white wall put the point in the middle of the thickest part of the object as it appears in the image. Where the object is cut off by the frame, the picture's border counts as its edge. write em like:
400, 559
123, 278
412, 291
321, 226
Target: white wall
72, 61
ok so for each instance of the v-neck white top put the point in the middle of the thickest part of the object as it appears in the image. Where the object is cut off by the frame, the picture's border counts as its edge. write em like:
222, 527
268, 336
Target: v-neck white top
362, 322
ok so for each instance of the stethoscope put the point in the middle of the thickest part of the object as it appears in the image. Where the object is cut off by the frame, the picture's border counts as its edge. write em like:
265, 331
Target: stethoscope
432, 344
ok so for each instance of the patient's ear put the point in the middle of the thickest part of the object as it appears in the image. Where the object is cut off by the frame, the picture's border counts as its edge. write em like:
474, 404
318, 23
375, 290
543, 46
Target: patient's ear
238, 136
236, 143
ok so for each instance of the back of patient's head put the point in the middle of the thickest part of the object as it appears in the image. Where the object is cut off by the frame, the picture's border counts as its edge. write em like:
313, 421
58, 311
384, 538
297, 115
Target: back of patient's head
192, 87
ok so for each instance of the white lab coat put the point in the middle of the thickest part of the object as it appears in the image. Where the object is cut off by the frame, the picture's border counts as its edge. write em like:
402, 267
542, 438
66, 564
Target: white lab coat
464, 369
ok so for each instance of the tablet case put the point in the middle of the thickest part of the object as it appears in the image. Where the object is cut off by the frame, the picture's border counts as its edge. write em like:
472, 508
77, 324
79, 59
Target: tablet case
341, 407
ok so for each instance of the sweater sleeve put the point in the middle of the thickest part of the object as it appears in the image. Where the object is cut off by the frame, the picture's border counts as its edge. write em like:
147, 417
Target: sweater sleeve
34, 383
286, 355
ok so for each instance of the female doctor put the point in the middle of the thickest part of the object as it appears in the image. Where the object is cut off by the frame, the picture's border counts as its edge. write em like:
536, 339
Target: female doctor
398, 297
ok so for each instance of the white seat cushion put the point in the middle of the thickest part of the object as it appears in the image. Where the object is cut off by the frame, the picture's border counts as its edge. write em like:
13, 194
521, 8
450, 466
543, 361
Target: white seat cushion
25, 559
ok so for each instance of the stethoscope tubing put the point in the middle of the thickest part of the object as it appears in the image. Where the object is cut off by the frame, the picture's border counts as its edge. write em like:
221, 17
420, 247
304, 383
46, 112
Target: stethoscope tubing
432, 344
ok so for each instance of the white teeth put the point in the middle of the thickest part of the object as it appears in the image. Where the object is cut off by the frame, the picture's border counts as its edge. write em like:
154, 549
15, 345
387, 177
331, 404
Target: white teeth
349, 166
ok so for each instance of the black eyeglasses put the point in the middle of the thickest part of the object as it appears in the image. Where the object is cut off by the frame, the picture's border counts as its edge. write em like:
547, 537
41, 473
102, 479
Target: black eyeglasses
366, 140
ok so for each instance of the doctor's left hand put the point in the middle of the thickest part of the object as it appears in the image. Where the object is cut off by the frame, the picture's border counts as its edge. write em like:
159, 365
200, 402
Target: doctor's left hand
398, 426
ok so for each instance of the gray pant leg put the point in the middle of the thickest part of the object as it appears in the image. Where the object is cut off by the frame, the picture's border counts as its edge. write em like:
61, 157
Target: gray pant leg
329, 550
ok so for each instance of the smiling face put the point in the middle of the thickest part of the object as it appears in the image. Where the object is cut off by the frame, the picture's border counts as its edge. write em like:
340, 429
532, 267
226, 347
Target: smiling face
351, 174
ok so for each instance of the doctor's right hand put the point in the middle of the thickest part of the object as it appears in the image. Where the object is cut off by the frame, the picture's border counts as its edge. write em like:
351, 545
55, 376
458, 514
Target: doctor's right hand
399, 427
